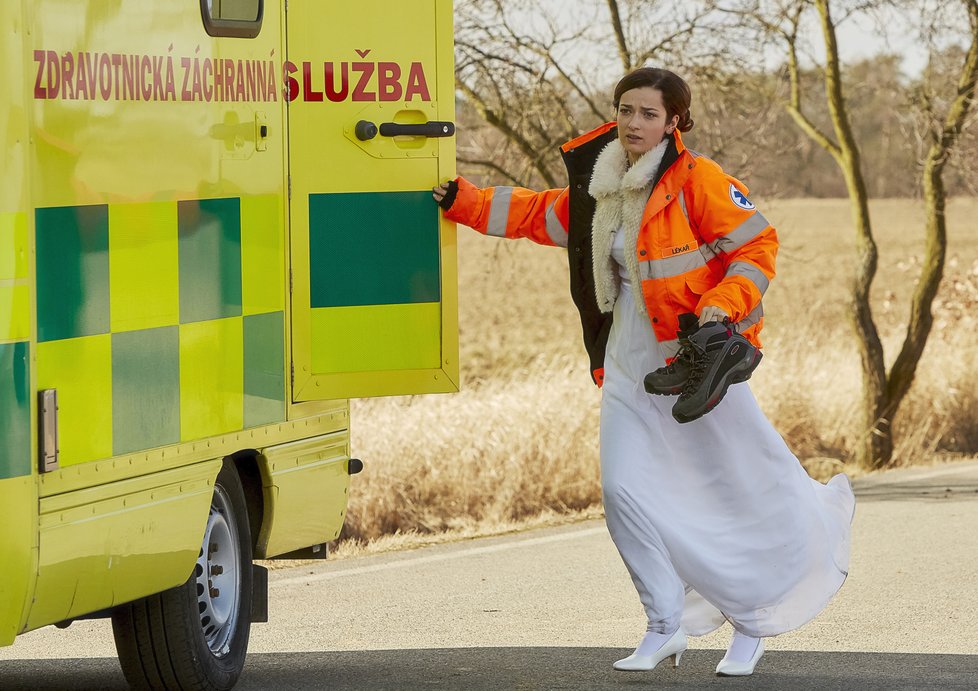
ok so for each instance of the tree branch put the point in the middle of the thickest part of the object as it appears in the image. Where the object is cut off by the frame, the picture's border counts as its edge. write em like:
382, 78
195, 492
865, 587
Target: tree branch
500, 123
794, 105
619, 31
965, 95
492, 165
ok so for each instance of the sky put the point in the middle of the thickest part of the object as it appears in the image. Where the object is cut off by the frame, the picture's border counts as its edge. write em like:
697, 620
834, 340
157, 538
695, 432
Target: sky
860, 36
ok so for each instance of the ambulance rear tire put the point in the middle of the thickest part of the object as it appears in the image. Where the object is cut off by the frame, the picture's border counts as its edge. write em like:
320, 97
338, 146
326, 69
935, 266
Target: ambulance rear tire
195, 636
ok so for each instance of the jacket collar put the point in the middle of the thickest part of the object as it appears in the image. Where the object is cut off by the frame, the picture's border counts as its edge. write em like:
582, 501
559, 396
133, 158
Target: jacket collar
674, 151
675, 170
678, 138
588, 136
671, 175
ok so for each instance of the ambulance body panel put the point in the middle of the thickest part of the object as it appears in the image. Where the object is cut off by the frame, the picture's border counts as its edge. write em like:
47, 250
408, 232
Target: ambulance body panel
203, 256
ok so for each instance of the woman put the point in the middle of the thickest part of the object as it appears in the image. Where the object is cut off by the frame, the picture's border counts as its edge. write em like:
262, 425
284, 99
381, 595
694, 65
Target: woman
715, 519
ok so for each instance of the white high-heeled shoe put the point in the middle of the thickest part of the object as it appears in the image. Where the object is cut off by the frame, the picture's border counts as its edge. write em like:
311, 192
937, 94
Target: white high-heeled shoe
733, 668
674, 648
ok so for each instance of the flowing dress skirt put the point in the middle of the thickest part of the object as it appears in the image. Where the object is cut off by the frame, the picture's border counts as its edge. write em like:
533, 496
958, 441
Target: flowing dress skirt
715, 519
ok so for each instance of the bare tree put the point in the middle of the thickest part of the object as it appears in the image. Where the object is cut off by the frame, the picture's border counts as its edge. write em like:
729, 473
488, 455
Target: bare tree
537, 72
944, 135
883, 391
505, 70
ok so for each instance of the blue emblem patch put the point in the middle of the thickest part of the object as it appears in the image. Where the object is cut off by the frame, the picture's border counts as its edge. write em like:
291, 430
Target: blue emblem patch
740, 199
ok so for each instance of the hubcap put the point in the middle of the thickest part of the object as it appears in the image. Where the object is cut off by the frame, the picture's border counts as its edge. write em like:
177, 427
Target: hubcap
217, 576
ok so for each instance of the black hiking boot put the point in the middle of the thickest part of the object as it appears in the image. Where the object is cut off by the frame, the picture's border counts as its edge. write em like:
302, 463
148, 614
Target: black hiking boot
670, 380
720, 357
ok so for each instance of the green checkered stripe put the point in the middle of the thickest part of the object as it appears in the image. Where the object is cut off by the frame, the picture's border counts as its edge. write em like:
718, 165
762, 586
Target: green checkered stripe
15, 410
160, 322
15, 333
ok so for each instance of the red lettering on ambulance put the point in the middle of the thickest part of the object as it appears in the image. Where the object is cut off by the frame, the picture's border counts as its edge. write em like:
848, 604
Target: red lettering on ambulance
416, 83
229, 80
218, 80
91, 74
272, 89
208, 71
308, 93
197, 94
185, 93
81, 78
39, 91
67, 76
332, 93
129, 67
54, 74
290, 83
360, 93
146, 78
171, 91
388, 81
105, 76
157, 77
220, 94
250, 81
240, 83
116, 64
261, 78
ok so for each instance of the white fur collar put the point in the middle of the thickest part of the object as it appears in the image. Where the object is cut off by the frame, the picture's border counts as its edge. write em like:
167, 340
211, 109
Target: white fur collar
621, 193
612, 173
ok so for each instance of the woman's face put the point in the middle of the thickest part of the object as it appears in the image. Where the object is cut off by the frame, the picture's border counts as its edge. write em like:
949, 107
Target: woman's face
642, 121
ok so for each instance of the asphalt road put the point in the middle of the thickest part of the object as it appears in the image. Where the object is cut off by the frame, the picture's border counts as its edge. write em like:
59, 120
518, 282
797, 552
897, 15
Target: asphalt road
551, 609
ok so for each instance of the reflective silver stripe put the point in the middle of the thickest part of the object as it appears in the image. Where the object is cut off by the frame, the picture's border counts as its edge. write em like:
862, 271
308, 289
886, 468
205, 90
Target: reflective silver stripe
682, 205
742, 234
669, 349
671, 266
555, 229
707, 252
751, 319
751, 273
499, 211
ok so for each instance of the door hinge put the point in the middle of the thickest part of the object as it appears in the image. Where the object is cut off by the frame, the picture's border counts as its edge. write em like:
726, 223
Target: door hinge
292, 373
290, 281
290, 187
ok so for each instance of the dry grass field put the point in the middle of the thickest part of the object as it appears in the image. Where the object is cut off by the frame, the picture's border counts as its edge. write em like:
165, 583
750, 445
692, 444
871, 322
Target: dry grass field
520, 442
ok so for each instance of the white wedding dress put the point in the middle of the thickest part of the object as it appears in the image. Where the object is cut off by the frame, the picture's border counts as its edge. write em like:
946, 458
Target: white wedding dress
715, 519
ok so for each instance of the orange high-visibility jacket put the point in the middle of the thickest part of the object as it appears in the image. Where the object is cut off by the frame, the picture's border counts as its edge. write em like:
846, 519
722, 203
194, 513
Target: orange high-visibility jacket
701, 241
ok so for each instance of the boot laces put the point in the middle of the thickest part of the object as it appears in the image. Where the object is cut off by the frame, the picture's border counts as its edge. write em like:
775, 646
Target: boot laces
696, 357
682, 357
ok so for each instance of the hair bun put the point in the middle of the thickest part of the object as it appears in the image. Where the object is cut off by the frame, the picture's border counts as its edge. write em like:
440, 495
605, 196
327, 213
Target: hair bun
685, 123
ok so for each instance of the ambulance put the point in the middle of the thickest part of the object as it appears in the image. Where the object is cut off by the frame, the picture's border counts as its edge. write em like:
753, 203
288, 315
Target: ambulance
216, 228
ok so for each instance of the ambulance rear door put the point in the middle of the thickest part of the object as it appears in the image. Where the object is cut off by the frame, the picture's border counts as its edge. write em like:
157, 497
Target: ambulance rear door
371, 129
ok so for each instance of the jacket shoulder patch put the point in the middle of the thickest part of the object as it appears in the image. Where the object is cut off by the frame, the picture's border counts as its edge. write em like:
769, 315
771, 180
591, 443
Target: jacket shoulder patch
740, 199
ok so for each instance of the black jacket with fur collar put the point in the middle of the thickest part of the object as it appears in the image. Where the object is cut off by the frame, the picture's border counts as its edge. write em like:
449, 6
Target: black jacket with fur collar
579, 157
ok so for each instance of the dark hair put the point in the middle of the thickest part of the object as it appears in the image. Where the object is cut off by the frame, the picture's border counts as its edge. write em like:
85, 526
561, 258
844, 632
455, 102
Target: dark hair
675, 92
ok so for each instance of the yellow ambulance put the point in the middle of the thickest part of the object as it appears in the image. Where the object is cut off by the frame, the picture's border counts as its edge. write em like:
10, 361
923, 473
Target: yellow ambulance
215, 228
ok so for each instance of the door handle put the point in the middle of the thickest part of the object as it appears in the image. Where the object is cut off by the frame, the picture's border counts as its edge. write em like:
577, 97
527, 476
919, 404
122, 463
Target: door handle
366, 130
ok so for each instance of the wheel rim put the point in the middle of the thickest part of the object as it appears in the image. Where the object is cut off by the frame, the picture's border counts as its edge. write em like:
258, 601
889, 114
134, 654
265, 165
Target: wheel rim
218, 577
